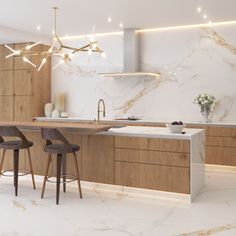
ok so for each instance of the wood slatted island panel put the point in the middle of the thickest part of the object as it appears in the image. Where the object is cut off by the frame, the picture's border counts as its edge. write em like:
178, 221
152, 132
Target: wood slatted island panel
146, 158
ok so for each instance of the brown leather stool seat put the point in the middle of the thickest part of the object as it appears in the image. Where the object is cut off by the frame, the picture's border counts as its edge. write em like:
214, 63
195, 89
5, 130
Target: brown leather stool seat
60, 149
15, 146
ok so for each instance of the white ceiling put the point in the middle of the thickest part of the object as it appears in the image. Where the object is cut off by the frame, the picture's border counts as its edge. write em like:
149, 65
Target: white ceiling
77, 17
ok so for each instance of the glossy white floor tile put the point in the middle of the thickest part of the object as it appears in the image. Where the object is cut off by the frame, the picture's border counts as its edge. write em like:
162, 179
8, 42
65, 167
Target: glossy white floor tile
111, 214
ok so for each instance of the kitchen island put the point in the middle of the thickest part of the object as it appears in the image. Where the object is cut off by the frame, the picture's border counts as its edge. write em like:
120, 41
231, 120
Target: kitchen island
220, 137
140, 157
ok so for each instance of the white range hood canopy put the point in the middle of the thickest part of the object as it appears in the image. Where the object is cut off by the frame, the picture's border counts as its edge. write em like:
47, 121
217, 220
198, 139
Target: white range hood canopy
131, 58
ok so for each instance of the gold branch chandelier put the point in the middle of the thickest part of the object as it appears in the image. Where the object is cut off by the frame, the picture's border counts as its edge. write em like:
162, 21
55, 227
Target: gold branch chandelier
64, 52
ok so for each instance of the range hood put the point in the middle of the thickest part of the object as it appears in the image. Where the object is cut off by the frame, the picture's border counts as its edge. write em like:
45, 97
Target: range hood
131, 58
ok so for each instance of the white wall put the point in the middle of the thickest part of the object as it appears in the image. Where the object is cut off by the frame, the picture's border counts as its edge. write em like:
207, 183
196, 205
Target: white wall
198, 60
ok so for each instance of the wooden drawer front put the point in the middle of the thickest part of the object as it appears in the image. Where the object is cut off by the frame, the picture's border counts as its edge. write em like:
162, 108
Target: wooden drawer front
152, 144
163, 178
131, 143
127, 174
221, 156
221, 131
221, 141
152, 157
169, 145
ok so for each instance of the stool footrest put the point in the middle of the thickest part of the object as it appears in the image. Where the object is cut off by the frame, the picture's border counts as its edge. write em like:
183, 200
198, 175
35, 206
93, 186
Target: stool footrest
69, 178
20, 173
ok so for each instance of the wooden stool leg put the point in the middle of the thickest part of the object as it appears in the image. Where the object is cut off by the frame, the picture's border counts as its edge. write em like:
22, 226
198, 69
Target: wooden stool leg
46, 175
59, 157
31, 167
2, 161
64, 172
78, 176
16, 167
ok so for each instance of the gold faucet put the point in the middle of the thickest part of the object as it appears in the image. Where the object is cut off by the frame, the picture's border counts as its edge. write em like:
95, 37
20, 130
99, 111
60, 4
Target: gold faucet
104, 108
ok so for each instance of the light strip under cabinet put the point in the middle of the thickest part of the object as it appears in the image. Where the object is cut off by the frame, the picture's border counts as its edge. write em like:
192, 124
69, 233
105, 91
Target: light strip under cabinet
131, 74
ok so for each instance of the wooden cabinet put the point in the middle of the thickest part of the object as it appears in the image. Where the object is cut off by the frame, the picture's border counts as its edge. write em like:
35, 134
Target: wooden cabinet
6, 83
23, 89
23, 83
23, 108
98, 158
159, 164
5, 64
6, 111
220, 144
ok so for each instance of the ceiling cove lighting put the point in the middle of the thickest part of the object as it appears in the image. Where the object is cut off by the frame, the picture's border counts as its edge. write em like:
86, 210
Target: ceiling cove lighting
179, 27
224, 23
58, 49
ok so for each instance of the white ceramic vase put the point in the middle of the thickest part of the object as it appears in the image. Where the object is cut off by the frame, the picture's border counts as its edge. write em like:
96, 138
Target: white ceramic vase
48, 108
55, 114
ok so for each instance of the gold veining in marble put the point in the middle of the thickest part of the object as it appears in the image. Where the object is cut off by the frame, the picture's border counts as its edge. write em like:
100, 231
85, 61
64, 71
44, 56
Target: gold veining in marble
211, 231
219, 40
19, 205
148, 87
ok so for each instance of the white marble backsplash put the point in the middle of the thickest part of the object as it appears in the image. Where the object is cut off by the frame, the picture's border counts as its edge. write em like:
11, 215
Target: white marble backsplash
189, 61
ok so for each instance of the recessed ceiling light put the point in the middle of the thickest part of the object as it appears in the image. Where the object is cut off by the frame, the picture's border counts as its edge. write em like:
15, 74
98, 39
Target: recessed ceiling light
109, 19
205, 16
121, 25
199, 9
38, 27
210, 22
53, 32
103, 54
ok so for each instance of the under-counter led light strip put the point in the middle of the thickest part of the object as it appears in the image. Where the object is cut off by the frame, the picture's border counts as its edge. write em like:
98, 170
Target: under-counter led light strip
154, 29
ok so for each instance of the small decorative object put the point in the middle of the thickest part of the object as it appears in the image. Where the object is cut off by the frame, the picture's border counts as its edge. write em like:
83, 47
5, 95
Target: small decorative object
48, 108
55, 114
64, 115
60, 102
206, 103
176, 126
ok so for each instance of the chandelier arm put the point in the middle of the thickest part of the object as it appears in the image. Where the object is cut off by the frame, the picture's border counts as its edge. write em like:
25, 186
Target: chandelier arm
68, 47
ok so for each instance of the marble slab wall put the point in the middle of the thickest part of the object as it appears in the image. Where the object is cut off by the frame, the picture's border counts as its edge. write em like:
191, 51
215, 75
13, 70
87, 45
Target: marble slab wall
190, 62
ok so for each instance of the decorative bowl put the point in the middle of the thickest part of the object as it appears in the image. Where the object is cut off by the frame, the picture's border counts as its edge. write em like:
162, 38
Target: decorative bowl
175, 128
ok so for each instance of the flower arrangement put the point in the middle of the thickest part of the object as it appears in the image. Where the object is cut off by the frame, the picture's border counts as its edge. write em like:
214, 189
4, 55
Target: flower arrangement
206, 103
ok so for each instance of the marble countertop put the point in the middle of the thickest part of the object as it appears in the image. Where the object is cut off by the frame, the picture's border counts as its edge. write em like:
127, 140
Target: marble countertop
151, 132
141, 121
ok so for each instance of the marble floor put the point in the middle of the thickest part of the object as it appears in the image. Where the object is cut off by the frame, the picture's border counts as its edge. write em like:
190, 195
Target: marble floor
103, 213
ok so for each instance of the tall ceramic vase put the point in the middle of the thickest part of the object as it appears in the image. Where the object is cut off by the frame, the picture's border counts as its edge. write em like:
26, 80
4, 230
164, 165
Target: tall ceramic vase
48, 108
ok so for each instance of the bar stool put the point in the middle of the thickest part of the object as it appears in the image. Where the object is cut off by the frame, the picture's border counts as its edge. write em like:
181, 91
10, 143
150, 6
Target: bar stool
15, 145
60, 149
